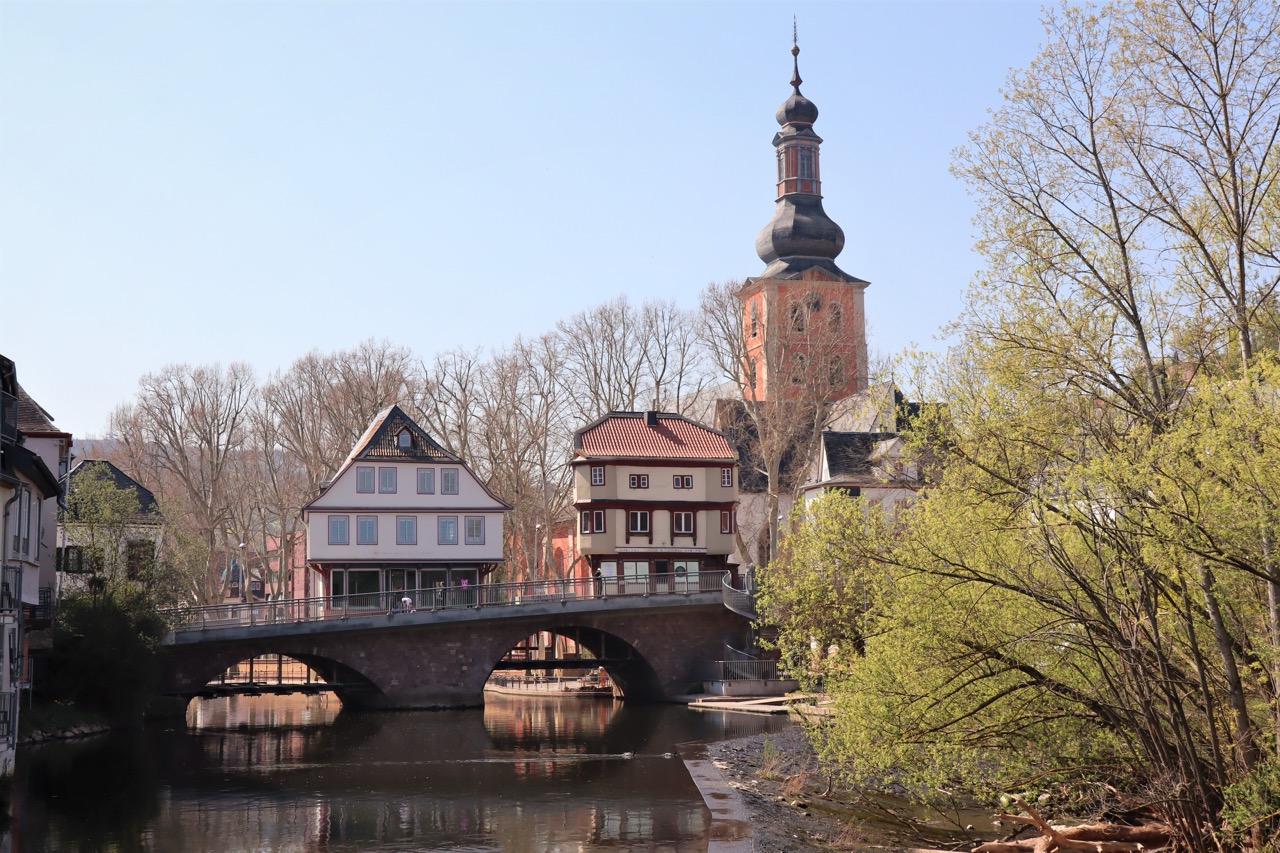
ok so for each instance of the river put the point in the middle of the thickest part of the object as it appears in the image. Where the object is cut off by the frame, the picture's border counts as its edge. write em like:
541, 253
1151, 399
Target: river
292, 774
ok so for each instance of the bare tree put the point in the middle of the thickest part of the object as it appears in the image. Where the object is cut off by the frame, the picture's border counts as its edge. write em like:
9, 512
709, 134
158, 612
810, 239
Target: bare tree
620, 358
525, 424
272, 485
182, 432
324, 403
450, 407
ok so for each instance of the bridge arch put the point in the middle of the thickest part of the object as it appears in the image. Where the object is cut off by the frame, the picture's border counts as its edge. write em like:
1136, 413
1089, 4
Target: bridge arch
348, 684
632, 675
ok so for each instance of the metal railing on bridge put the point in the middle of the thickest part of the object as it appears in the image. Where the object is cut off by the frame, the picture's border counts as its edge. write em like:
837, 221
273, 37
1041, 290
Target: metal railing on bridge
440, 599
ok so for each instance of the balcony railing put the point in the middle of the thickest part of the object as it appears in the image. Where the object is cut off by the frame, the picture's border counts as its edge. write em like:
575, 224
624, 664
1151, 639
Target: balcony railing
10, 588
440, 599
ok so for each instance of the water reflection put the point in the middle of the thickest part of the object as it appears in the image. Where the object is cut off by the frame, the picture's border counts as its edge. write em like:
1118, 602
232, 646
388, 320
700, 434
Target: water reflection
293, 774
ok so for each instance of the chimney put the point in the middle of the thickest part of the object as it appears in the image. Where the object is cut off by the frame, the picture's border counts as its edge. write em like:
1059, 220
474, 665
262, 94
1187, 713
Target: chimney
651, 418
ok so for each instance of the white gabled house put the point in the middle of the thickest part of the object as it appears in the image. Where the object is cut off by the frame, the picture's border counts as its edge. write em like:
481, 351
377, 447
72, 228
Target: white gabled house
403, 517
869, 465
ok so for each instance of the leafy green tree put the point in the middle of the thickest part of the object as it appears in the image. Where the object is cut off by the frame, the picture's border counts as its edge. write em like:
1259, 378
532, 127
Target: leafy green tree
106, 649
1088, 596
99, 517
108, 631
108, 536
818, 591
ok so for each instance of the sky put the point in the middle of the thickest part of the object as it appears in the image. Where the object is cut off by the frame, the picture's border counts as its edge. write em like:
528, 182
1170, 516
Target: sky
200, 182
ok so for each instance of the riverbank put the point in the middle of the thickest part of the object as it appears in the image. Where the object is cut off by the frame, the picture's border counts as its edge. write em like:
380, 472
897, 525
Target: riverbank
42, 723
791, 811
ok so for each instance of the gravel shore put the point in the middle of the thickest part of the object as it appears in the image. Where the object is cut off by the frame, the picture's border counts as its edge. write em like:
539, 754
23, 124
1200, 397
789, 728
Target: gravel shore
791, 811
771, 775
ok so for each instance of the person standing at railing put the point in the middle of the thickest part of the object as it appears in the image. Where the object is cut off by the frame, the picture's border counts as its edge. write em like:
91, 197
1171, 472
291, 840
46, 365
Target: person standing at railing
439, 595
598, 579
406, 604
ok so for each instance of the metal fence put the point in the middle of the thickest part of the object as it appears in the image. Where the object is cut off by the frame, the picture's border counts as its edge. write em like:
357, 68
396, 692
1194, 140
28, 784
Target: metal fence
549, 683
741, 670
440, 599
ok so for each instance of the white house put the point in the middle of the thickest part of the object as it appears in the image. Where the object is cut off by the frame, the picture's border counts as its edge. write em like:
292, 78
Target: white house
27, 486
870, 465
402, 517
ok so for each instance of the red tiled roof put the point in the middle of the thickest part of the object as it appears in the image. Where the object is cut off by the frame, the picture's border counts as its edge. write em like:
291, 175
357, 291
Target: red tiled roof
627, 434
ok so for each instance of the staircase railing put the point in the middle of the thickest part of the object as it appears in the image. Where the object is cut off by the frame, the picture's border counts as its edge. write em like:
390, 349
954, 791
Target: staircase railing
739, 601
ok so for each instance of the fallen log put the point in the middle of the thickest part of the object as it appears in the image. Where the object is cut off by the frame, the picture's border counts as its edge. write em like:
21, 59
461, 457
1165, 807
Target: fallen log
1094, 837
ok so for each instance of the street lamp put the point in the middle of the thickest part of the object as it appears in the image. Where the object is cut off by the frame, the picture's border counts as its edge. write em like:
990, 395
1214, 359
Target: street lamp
537, 550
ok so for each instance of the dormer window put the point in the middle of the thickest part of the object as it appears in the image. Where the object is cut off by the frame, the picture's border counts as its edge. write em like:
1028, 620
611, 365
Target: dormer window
405, 439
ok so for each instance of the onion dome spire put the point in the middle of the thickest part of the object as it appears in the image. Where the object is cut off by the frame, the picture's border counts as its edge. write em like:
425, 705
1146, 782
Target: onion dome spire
800, 235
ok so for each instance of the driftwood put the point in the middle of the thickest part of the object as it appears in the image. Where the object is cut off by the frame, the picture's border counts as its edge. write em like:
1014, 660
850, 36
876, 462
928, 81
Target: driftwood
1094, 837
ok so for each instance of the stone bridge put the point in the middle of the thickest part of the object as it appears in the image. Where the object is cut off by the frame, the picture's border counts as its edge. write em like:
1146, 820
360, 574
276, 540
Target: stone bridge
651, 646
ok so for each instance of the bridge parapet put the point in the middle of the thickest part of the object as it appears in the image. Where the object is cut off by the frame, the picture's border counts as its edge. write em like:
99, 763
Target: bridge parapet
525, 596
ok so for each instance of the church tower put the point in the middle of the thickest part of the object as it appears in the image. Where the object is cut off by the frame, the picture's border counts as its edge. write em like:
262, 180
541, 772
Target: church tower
803, 320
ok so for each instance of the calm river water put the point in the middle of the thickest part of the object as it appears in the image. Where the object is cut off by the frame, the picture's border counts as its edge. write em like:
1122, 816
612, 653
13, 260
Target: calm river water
277, 774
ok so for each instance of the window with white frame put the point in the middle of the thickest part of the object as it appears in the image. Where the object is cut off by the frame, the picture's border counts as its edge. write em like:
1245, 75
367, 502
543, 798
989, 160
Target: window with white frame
592, 521
728, 521
387, 481
338, 530
639, 481
682, 481
17, 522
726, 477
406, 530
447, 530
638, 521
405, 439
366, 530
364, 480
597, 520
475, 529
635, 571
448, 481
426, 481
584, 521
682, 523
25, 526
597, 475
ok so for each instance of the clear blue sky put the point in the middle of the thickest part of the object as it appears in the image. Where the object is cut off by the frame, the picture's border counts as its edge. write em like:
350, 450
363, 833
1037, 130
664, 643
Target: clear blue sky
220, 181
